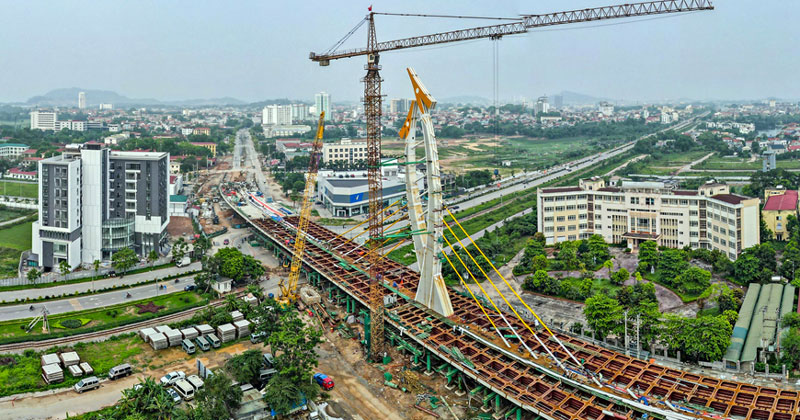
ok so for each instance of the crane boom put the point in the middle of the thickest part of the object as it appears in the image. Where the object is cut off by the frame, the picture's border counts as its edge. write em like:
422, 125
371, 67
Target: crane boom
288, 289
525, 23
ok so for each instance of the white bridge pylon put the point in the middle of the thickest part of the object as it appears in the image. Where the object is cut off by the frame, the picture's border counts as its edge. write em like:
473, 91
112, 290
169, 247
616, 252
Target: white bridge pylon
426, 226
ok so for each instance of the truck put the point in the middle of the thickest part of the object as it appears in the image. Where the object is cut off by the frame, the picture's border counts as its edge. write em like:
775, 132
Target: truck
323, 381
183, 262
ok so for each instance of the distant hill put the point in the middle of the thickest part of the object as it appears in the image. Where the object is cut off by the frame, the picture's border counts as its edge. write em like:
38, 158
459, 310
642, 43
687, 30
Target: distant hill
69, 97
465, 100
574, 98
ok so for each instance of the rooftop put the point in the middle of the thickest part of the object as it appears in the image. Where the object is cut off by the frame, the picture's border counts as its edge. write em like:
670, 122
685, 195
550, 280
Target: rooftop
785, 201
730, 198
561, 189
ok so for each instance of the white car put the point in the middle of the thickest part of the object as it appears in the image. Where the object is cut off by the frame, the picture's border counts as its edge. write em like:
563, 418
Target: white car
174, 395
172, 377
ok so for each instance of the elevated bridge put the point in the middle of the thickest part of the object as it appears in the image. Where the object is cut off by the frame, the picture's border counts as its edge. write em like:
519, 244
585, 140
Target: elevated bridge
508, 381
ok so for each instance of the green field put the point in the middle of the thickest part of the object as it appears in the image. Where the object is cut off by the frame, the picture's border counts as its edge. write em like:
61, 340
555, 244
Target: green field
99, 318
734, 163
8, 213
13, 240
19, 189
24, 374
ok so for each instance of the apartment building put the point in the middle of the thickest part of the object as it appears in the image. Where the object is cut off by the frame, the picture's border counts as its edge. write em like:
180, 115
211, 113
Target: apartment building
779, 204
43, 120
344, 150
709, 217
94, 202
12, 150
276, 115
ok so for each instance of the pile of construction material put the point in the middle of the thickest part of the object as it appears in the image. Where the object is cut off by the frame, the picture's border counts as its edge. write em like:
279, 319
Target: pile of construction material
251, 300
52, 373
237, 316
226, 332
87, 370
158, 341
204, 329
174, 337
309, 295
69, 358
75, 371
242, 328
189, 333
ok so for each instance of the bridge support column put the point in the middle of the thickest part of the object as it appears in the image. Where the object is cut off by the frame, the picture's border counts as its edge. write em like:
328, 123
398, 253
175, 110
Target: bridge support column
428, 371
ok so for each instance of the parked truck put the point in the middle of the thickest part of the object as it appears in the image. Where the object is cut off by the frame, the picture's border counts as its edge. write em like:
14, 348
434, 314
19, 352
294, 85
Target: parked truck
183, 262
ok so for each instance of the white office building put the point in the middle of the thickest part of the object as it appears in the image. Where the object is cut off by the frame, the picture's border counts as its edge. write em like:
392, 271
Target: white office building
344, 150
542, 106
81, 100
399, 106
276, 115
605, 108
94, 202
322, 102
43, 120
10, 150
346, 193
299, 112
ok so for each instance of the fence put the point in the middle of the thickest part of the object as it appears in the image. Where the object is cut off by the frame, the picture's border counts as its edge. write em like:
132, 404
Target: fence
54, 277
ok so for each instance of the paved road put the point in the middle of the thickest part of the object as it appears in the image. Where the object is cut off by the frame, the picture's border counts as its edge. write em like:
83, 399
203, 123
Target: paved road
99, 300
86, 286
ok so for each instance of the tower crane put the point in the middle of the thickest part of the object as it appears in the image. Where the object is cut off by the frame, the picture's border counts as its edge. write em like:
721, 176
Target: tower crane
372, 98
289, 286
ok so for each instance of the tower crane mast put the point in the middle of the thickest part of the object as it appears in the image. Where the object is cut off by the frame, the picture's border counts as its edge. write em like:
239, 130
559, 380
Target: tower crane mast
373, 110
289, 287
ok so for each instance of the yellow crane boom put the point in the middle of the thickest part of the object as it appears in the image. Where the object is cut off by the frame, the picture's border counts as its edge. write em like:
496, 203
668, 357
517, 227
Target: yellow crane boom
289, 287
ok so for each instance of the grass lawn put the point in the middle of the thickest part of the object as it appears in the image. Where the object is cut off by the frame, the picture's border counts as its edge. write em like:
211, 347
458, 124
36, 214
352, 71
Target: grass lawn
13, 240
17, 236
24, 373
685, 297
8, 213
19, 189
99, 318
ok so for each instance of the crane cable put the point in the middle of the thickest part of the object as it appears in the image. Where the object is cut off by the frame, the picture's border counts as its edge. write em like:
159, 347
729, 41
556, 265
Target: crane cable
347, 36
509, 286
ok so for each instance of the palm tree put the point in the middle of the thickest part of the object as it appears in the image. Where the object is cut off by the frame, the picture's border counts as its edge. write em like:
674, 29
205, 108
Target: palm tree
152, 256
231, 303
96, 266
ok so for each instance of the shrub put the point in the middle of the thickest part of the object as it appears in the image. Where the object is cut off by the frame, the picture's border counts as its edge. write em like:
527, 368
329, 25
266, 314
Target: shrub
71, 323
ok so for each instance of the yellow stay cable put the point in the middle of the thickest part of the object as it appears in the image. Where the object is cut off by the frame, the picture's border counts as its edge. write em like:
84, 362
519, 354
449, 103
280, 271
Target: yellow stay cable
475, 298
555, 359
507, 284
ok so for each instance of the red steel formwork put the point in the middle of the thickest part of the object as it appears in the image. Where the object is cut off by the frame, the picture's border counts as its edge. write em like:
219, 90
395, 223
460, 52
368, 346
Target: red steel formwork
513, 374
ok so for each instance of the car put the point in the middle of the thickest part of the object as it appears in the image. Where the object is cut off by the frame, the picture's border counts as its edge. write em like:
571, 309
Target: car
323, 381
189, 287
226, 242
174, 395
172, 377
257, 336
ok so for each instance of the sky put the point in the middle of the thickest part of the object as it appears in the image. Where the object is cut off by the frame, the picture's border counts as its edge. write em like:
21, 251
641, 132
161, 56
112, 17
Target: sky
258, 50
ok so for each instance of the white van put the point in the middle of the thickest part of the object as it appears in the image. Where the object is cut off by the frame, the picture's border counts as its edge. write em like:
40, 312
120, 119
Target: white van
184, 389
87, 384
119, 371
188, 346
211, 338
195, 381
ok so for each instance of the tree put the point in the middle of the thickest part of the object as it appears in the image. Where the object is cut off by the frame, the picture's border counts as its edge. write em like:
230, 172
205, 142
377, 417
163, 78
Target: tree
541, 282
231, 263
790, 344
218, 398
746, 269
693, 280
620, 277
252, 268
671, 263
152, 257
727, 300
245, 367
568, 255
597, 251
293, 344
148, 401
539, 262
790, 262
64, 268
179, 249
124, 259
33, 275
648, 256
704, 338
96, 267
791, 320
603, 314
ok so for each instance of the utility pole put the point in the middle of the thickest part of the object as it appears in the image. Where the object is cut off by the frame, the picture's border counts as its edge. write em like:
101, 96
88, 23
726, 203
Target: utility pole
638, 343
627, 353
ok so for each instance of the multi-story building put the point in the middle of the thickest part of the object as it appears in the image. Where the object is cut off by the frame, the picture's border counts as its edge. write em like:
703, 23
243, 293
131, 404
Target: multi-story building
81, 100
605, 108
74, 125
542, 106
94, 202
9, 150
276, 115
322, 102
43, 120
709, 217
344, 150
299, 112
558, 101
779, 204
208, 145
399, 106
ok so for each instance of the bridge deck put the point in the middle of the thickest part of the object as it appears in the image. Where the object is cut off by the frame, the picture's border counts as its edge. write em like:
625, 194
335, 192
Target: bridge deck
511, 373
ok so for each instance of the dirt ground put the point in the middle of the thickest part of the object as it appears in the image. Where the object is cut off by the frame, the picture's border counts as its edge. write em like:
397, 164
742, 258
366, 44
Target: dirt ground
179, 226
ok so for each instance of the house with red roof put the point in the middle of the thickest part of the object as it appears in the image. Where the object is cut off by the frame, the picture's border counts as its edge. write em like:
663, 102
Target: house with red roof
779, 204
17, 173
